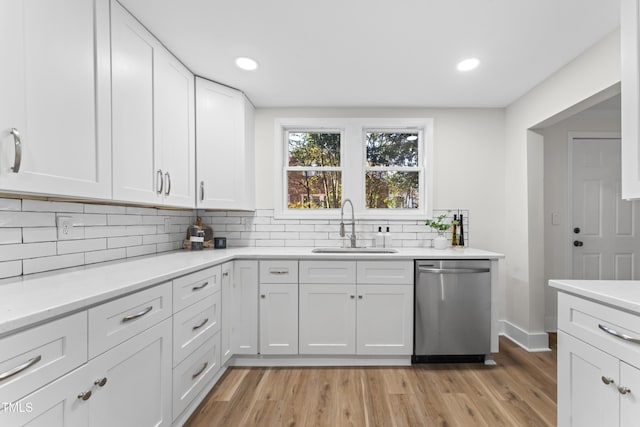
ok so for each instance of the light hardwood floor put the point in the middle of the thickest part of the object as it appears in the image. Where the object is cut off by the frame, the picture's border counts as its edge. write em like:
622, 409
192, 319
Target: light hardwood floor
519, 391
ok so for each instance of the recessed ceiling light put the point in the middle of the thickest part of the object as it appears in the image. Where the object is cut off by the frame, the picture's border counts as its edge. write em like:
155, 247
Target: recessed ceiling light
468, 64
246, 63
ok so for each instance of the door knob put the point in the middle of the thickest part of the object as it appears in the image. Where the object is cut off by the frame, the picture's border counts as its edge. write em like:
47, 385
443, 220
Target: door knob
577, 243
576, 230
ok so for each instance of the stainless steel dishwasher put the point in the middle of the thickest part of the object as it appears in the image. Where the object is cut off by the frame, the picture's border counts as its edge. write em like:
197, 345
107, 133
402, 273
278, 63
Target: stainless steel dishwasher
452, 310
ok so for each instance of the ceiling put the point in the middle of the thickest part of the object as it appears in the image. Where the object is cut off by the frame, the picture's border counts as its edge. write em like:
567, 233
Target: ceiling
378, 53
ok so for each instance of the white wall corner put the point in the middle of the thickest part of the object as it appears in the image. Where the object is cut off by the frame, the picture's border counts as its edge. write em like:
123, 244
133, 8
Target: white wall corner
532, 342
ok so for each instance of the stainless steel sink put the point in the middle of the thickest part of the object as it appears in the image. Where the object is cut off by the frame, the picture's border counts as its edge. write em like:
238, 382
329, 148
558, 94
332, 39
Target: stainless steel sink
338, 250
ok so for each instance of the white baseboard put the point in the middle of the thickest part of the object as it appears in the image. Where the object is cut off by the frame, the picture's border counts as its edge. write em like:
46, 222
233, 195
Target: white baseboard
300, 360
532, 342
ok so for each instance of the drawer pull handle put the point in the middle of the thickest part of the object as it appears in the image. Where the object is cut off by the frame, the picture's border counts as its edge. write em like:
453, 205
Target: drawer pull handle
101, 382
18, 155
279, 272
20, 368
607, 380
197, 374
85, 395
619, 334
204, 322
137, 315
197, 288
623, 390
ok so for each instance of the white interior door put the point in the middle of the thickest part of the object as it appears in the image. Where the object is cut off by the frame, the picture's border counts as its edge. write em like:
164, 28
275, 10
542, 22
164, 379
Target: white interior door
604, 227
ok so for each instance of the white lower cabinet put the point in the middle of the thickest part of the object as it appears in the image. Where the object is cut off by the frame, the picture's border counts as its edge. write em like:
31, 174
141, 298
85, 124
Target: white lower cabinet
279, 318
225, 315
327, 319
244, 308
598, 375
137, 381
384, 319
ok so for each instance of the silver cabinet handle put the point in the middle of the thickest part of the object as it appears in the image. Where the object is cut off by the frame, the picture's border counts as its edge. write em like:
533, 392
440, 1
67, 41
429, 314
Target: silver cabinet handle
197, 374
204, 322
197, 288
160, 181
137, 315
279, 272
100, 382
454, 270
18, 144
167, 177
201, 190
623, 390
617, 334
85, 395
26, 365
607, 380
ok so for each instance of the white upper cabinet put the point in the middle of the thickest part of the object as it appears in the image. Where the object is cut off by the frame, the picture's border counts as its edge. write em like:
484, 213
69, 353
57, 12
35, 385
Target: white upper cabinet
153, 118
224, 148
630, 99
56, 95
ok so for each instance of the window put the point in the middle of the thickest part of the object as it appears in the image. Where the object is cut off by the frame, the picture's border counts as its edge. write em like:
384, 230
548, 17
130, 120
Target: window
380, 164
314, 175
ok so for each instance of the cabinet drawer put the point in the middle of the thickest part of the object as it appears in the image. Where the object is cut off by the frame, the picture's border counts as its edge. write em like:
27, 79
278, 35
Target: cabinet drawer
118, 320
385, 272
275, 271
194, 373
195, 286
327, 271
194, 325
583, 319
36, 356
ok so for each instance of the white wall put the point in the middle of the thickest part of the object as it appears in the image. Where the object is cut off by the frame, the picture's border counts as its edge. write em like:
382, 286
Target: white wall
557, 238
468, 160
592, 72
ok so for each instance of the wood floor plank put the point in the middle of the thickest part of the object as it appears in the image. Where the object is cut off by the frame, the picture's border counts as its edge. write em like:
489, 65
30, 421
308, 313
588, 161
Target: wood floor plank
519, 391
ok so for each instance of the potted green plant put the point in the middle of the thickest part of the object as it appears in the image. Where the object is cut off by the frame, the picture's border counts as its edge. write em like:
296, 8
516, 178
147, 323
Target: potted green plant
440, 224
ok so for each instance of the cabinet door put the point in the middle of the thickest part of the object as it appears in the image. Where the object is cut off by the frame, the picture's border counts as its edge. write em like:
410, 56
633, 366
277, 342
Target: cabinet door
175, 128
138, 387
629, 402
385, 319
584, 399
135, 178
219, 133
279, 318
327, 319
55, 87
55, 405
225, 318
244, 308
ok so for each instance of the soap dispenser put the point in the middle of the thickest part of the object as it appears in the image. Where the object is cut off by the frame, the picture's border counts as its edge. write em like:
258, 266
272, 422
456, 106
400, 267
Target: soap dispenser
379, 238
388, 241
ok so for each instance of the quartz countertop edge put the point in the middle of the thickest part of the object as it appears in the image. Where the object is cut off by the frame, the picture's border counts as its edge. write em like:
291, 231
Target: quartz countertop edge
623, 294
28, 300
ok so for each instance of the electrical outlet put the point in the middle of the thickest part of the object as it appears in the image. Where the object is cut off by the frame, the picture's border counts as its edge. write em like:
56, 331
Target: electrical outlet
65, 227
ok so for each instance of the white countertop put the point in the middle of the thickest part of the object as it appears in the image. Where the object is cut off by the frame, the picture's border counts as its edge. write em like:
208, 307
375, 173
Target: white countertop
28, 300
624, 294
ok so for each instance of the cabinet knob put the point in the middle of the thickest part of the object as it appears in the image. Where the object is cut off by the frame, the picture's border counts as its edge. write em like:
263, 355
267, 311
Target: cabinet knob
623, 389
576, 230
360, 296
263, 296
352, 296
85, 395
577, 243
225, 274
100, 382
607, 380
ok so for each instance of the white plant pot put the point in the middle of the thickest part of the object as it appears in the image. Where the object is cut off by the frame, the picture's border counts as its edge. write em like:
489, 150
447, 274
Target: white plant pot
440, 242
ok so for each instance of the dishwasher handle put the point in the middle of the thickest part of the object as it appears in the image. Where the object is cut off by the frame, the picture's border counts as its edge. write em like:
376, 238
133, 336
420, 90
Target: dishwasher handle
453, 270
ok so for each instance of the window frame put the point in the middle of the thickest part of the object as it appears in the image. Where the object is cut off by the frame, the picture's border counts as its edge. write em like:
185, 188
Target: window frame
353, 164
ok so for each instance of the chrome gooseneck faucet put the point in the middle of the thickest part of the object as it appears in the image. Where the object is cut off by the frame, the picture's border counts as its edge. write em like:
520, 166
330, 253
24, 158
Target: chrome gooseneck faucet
353, 222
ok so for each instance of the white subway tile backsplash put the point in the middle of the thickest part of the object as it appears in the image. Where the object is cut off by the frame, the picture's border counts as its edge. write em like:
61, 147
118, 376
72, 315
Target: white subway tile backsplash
299, 227
85, 245
93, 232
38, 265
27, 219
10, 204
131, 210
124, 219
155, 238
37, 234
140, 250
106, 255
121, 242
141, 229
283, 235
270, 227
27, 250
104, 209
47, 206
10, 235
10, 268
269, 243
152, 219
169, 246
